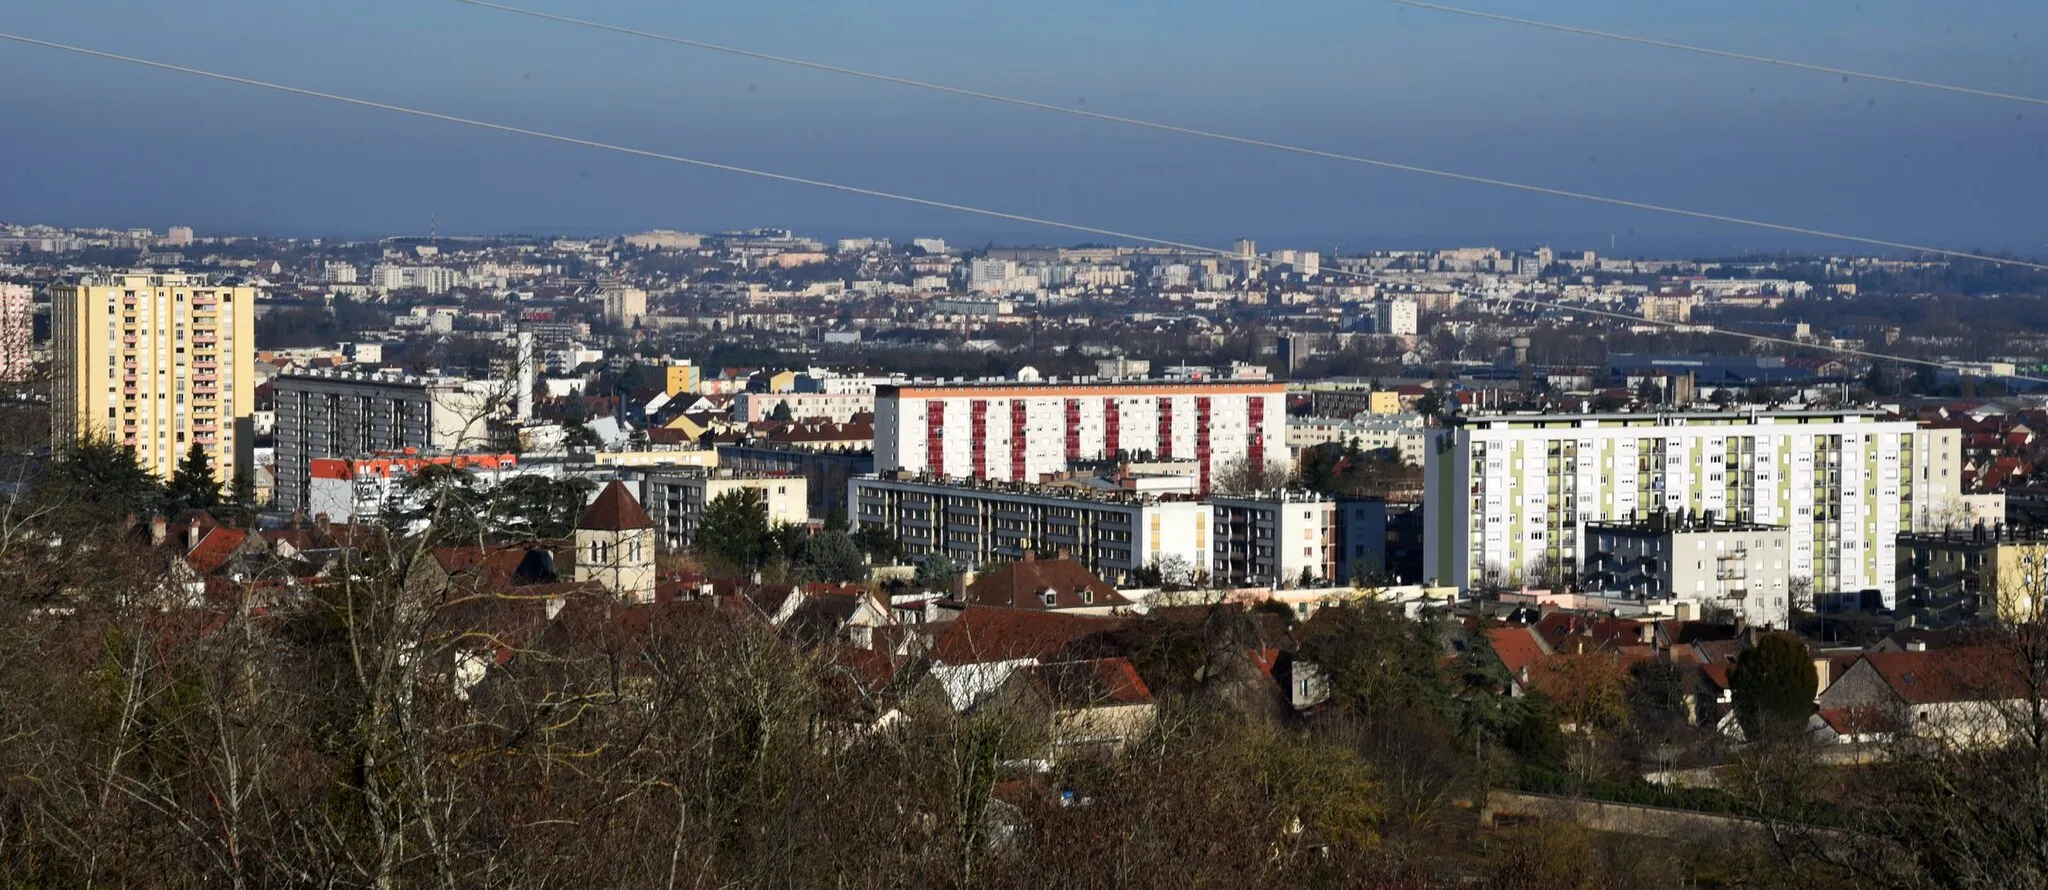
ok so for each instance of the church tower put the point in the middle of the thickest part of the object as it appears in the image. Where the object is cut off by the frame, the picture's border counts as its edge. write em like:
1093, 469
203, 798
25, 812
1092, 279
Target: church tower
615, 545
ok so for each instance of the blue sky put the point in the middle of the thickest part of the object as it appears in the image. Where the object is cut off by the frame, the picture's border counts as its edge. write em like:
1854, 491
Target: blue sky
94, 142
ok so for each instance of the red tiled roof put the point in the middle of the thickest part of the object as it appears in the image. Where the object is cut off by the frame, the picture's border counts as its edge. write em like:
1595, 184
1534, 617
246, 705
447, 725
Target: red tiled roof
1568, 632
1023, 584
215, 549
1717, 672
1950, 675
614, 510
1085, 684
1516, 646
982, 635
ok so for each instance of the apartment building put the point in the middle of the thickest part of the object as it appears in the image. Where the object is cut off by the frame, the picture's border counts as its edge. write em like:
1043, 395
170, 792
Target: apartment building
1508, 497
677, 500
157, 362
825, 473
17, 331
1403, 435
351, 414
1019, 432
1112, 533
2004, 568
347, 489
1739, 567
1276, 539
754, 407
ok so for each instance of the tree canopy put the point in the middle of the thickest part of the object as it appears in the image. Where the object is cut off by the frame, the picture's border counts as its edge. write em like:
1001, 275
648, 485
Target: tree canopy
734, 538
1774, 685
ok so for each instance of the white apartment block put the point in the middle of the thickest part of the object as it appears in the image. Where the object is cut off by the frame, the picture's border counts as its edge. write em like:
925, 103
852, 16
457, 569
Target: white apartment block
17, 331
1401, 434
1021, 432
676, 501
360, 489
624, 305
1396, 317
1508, 497
432, 279
1275, 539
1112, 533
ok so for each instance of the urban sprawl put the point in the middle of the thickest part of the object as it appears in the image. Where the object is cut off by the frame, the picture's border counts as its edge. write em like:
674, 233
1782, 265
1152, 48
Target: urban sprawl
1626, 502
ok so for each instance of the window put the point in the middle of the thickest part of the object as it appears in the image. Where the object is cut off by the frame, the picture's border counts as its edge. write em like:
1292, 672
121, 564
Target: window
1050, 599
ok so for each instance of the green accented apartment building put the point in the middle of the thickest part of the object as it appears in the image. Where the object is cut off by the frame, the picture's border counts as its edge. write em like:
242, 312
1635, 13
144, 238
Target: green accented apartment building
1508, 497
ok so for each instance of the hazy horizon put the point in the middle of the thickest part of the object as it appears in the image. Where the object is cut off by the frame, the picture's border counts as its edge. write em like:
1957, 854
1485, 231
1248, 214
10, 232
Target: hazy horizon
99, 143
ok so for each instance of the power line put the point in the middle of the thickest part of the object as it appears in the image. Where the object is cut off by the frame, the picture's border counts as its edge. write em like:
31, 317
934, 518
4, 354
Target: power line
1724, 54
912, 199
1259, 143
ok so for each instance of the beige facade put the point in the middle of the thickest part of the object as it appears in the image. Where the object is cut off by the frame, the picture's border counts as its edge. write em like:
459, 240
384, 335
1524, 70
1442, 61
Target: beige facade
156, 362
1740, 567
624, 305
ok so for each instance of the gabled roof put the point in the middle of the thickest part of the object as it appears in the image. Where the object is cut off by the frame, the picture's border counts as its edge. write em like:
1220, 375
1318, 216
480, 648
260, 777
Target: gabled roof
1570, 632
505, 566
1101, 682
614, 510
982, 635
1023, 585
1939, 676
214, 550
1517, 647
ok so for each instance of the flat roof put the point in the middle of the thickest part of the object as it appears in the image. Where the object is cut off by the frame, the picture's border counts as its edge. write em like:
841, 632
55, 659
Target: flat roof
1016, 389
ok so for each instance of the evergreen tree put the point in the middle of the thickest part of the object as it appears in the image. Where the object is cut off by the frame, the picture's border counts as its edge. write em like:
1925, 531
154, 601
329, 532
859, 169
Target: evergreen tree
734, 537
832, 556
193, 486
937, 571
878, 543
99, 481
1774, 685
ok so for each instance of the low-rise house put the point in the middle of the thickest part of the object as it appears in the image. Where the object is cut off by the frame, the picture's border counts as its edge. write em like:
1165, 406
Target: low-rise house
1963, 697
1044, 584
975, 653
1094, 706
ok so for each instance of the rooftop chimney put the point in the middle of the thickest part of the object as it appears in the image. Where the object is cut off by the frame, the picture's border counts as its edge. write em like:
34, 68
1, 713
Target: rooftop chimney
159, 529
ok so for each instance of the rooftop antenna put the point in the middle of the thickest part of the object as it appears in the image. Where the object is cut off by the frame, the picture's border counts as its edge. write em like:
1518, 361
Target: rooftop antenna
433, 228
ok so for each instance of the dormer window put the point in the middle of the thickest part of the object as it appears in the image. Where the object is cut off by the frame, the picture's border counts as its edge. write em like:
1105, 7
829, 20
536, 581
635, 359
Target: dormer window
1051, 598
1088, 597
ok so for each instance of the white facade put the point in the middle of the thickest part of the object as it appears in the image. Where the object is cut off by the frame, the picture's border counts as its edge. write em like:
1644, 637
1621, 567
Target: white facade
1019, 433
1508, 497
1741, 568
624, 305
432, 279
17, 331
1275, 539
1396, 317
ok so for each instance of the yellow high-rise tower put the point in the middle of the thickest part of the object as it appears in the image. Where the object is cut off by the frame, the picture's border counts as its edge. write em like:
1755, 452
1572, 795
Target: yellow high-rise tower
155, 361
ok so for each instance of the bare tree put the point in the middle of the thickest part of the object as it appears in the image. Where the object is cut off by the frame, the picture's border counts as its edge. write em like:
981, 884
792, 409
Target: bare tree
1243, 476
